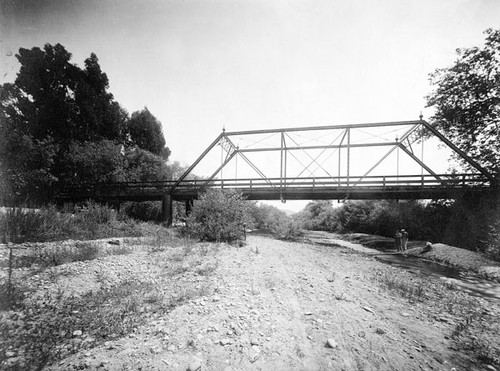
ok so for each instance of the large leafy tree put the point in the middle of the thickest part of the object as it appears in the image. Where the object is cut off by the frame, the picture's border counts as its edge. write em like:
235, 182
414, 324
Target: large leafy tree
145, 131
52, 97
466, 99
59, 123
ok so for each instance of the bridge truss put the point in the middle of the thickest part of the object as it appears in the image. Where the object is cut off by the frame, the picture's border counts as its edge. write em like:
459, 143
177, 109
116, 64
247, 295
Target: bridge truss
385, 160
356, 161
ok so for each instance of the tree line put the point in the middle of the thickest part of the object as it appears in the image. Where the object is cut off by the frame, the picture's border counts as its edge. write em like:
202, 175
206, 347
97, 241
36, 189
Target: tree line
59, 124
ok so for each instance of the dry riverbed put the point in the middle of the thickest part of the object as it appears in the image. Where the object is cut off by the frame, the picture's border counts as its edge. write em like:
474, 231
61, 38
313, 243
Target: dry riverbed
269, 305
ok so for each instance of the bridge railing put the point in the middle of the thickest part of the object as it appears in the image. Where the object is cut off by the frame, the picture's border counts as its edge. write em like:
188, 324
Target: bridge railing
379, 182
193, 187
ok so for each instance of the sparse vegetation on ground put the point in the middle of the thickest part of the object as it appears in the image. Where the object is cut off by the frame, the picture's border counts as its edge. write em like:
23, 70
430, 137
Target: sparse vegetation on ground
170, 299
43, 326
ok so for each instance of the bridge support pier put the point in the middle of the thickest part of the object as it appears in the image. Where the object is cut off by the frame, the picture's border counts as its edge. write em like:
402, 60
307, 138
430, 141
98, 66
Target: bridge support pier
166, 210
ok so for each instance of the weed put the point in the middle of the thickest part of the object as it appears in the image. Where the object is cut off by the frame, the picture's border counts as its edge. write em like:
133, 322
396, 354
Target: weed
340, 297
207, 268
63, 253
413, 289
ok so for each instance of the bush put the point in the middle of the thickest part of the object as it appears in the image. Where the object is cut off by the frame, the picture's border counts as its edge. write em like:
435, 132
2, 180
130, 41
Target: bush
492, 244
286, 229
149, 211
92, 220
218, 215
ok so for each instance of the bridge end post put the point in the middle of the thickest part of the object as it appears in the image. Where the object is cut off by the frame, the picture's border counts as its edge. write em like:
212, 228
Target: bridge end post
166, 210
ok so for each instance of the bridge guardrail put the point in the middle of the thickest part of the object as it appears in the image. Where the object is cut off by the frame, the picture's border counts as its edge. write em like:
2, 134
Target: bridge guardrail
370, 183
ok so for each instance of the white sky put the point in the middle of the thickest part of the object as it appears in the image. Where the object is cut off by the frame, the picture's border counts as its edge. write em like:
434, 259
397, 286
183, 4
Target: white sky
199, 65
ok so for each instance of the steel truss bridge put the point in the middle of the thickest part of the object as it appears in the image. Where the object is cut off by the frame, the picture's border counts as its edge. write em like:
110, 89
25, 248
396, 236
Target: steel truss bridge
357, 161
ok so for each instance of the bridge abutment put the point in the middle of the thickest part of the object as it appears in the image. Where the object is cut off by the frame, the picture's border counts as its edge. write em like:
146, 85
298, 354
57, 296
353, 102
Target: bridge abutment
166, 210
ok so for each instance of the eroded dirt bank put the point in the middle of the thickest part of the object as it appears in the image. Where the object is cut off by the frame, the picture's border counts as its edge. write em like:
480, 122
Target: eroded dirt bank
273, 305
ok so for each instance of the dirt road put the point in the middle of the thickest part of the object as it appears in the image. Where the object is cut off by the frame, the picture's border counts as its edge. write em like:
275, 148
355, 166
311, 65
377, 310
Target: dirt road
273, 305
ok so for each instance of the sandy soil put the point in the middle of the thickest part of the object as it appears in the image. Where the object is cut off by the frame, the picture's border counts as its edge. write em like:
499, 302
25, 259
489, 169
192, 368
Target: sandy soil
272, 305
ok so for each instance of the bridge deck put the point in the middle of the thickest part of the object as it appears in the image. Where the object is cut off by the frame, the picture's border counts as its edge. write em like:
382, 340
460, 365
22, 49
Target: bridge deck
368, 187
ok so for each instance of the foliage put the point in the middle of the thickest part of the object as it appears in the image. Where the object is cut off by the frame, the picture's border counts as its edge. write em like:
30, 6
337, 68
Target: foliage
144, 166
52, 97
286, 229
148, 211
94, 162
26, 166
59, 124
49, 224
219, 215
145, 132
319, 216
270, 218
466, 99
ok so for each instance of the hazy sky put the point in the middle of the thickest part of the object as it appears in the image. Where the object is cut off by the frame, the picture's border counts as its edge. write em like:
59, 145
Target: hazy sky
199, 65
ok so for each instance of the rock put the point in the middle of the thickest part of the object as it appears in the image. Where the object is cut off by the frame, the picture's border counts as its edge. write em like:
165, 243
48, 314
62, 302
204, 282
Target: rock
77, 333
254, 353
171, 348
225, 342
254, 342
368, 310
195, 364
331, 343
405, 314
490, 367
10, 354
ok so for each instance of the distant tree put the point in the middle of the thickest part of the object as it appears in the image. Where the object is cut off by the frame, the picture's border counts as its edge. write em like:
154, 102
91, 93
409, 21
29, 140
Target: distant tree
145, 132
466, 99
318, 215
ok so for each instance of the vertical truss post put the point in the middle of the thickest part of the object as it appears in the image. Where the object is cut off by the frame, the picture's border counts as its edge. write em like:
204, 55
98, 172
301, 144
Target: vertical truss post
340, 153
222, 156
236, 160
348, 154
397, 162
283, 159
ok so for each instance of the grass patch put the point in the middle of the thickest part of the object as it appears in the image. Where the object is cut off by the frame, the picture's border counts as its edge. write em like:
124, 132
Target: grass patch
413, 289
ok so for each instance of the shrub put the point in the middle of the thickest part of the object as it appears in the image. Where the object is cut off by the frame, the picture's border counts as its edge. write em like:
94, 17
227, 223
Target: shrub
492, 244
92, 220
218, 215
286, 229
149, 211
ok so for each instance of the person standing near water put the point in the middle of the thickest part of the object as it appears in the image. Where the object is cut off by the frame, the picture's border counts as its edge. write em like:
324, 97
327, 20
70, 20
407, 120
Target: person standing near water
398, 240
404, 239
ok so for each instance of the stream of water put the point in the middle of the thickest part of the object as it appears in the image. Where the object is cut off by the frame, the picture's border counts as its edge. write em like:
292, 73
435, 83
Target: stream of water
385, 253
